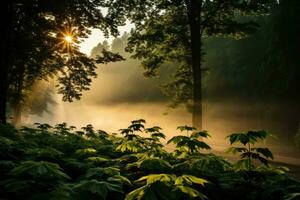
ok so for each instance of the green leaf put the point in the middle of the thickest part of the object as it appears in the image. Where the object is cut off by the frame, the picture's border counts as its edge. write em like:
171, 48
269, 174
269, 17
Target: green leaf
235, 150
166, 178
258, 134
136, 127
235, 137
120, 178
292, 196
155, 165
177, 139
153, 129
209, 164
158, 135
86, 152
40, 169
190, 192
45, 153
93, 186
265, 152
126, 131
189, 180
244, 139
139, 121
129, 146
16, 185
242, 165
186, 128
136, 194
200, 134
99, 172
97, 159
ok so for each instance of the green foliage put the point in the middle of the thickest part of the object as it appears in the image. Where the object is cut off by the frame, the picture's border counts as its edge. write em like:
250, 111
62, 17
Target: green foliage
39, 170
293, 196
191, 144
136, 126
129, 146
95, 189
247, 152
162, 35
34, 37
59, 162
155, 165
204, 164
158, 184
86, 152
45, 153
250, 137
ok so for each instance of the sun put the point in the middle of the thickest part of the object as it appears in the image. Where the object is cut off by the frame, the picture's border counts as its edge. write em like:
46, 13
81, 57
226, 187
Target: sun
68, 38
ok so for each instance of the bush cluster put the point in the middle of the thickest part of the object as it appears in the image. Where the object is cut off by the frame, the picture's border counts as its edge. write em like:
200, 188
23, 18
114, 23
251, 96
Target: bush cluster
59, 162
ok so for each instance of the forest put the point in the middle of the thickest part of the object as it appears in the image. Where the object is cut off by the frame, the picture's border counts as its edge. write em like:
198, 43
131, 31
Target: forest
150, 100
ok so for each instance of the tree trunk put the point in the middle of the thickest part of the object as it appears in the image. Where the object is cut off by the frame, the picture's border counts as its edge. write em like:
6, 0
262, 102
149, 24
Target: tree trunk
6, 10
17, 99
195, 30
3, 94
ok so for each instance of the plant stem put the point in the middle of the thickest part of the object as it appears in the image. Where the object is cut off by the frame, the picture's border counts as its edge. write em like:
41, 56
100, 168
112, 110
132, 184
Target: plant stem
249, 157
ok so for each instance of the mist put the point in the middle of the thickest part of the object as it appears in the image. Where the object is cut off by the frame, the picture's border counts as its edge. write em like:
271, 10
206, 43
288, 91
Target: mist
121, 93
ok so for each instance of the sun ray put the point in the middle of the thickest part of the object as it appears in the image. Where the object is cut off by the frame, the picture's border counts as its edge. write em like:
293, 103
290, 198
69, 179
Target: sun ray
67, 37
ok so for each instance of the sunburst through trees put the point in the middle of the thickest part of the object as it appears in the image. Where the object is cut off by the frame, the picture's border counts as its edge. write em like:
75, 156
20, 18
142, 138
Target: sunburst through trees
68, 38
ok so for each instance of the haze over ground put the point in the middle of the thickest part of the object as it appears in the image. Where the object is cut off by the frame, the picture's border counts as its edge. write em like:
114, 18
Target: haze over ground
121, 93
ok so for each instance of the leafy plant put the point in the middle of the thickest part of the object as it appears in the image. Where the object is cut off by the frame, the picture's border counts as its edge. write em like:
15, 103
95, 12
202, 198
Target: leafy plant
205, 164
191, 144
154, 165
129, 146
293, 196
167, 186
58, 162
39, 170
136, 126
86, 152
92, 189
34, 180
49, 153
247, 151
155, 133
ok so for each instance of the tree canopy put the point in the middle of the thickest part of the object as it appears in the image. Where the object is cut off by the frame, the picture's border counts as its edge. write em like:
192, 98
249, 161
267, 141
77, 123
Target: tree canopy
172, 32
35, 46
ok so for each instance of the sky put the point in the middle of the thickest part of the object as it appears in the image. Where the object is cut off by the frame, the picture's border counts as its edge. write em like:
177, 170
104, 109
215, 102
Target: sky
97, 36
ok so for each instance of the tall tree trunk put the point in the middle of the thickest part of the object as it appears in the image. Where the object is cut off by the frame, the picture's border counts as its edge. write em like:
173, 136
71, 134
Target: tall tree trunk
194, 9
6, 10
3, 94
17, 99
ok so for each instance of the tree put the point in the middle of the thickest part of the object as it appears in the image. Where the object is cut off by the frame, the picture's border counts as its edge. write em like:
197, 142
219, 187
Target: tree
173, 32
260, 71
35, 46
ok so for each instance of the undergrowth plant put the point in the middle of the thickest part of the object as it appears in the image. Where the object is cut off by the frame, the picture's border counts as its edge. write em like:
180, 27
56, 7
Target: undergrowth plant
167, 187
191, 143
247, 149
62, 162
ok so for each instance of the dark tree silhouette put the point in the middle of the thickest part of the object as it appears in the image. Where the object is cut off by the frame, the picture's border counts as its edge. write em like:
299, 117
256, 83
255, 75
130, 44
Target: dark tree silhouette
34, 47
